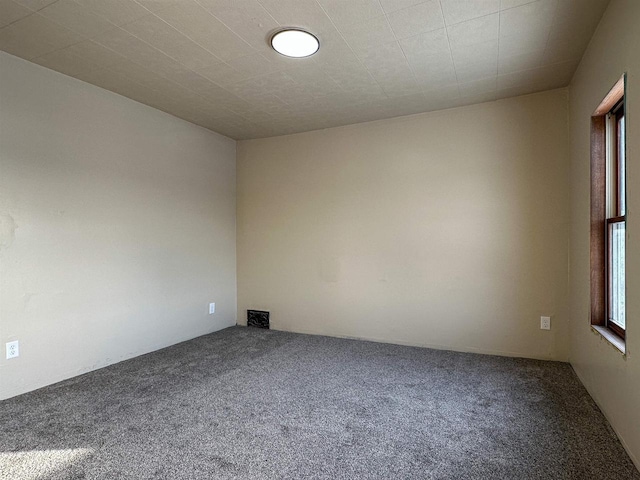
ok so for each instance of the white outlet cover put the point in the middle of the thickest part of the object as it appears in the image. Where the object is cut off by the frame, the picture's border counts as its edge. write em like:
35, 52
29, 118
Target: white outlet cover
13, 349
545, 323
212, 308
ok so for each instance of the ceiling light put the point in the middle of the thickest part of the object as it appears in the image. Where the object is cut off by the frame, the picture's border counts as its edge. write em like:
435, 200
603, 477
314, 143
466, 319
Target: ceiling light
295, 43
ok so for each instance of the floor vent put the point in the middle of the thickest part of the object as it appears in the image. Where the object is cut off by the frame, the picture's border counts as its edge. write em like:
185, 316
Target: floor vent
257, 318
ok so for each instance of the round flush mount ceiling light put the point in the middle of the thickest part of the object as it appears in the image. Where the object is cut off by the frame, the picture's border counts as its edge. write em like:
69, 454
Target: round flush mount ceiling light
295, 43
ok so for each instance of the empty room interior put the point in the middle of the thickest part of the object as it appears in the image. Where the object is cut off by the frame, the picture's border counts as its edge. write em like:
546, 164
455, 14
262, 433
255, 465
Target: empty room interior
320, 239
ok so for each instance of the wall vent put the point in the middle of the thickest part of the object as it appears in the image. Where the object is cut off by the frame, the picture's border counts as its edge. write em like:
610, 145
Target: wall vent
257, 318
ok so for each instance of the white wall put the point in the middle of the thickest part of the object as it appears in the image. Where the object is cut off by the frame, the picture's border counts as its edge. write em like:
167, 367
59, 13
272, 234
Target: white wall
612, 380
447, 229
117, 227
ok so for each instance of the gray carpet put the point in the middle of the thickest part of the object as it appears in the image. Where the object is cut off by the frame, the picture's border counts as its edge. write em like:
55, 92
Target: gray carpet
248, 403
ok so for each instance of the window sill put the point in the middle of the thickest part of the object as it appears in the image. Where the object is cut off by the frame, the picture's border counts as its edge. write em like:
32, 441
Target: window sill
611, 337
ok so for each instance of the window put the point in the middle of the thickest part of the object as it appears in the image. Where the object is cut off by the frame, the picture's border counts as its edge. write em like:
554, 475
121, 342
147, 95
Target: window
609, 216
616, 220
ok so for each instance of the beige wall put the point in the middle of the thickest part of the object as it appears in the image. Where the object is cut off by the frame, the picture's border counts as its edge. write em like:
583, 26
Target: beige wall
612, 380
117, 227
447, 230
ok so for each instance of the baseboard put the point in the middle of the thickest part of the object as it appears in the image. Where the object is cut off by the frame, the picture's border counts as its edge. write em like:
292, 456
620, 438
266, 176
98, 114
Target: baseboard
634, 459
499, 353
106, 363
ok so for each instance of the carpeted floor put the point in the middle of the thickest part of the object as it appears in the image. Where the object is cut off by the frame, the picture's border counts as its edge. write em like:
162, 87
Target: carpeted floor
248, 403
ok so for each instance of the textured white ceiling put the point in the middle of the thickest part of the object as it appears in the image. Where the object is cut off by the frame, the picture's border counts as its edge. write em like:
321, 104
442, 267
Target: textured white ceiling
209, 61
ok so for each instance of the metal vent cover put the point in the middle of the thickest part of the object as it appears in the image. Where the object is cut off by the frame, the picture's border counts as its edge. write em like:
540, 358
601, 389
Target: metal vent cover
257, 318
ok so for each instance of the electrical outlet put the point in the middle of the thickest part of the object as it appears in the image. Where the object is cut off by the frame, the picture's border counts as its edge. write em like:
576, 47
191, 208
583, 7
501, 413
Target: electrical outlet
13, 349
545, 323
212, 308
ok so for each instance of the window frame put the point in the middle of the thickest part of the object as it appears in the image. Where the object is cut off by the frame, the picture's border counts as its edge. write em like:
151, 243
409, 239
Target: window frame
617, 178
606, 201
